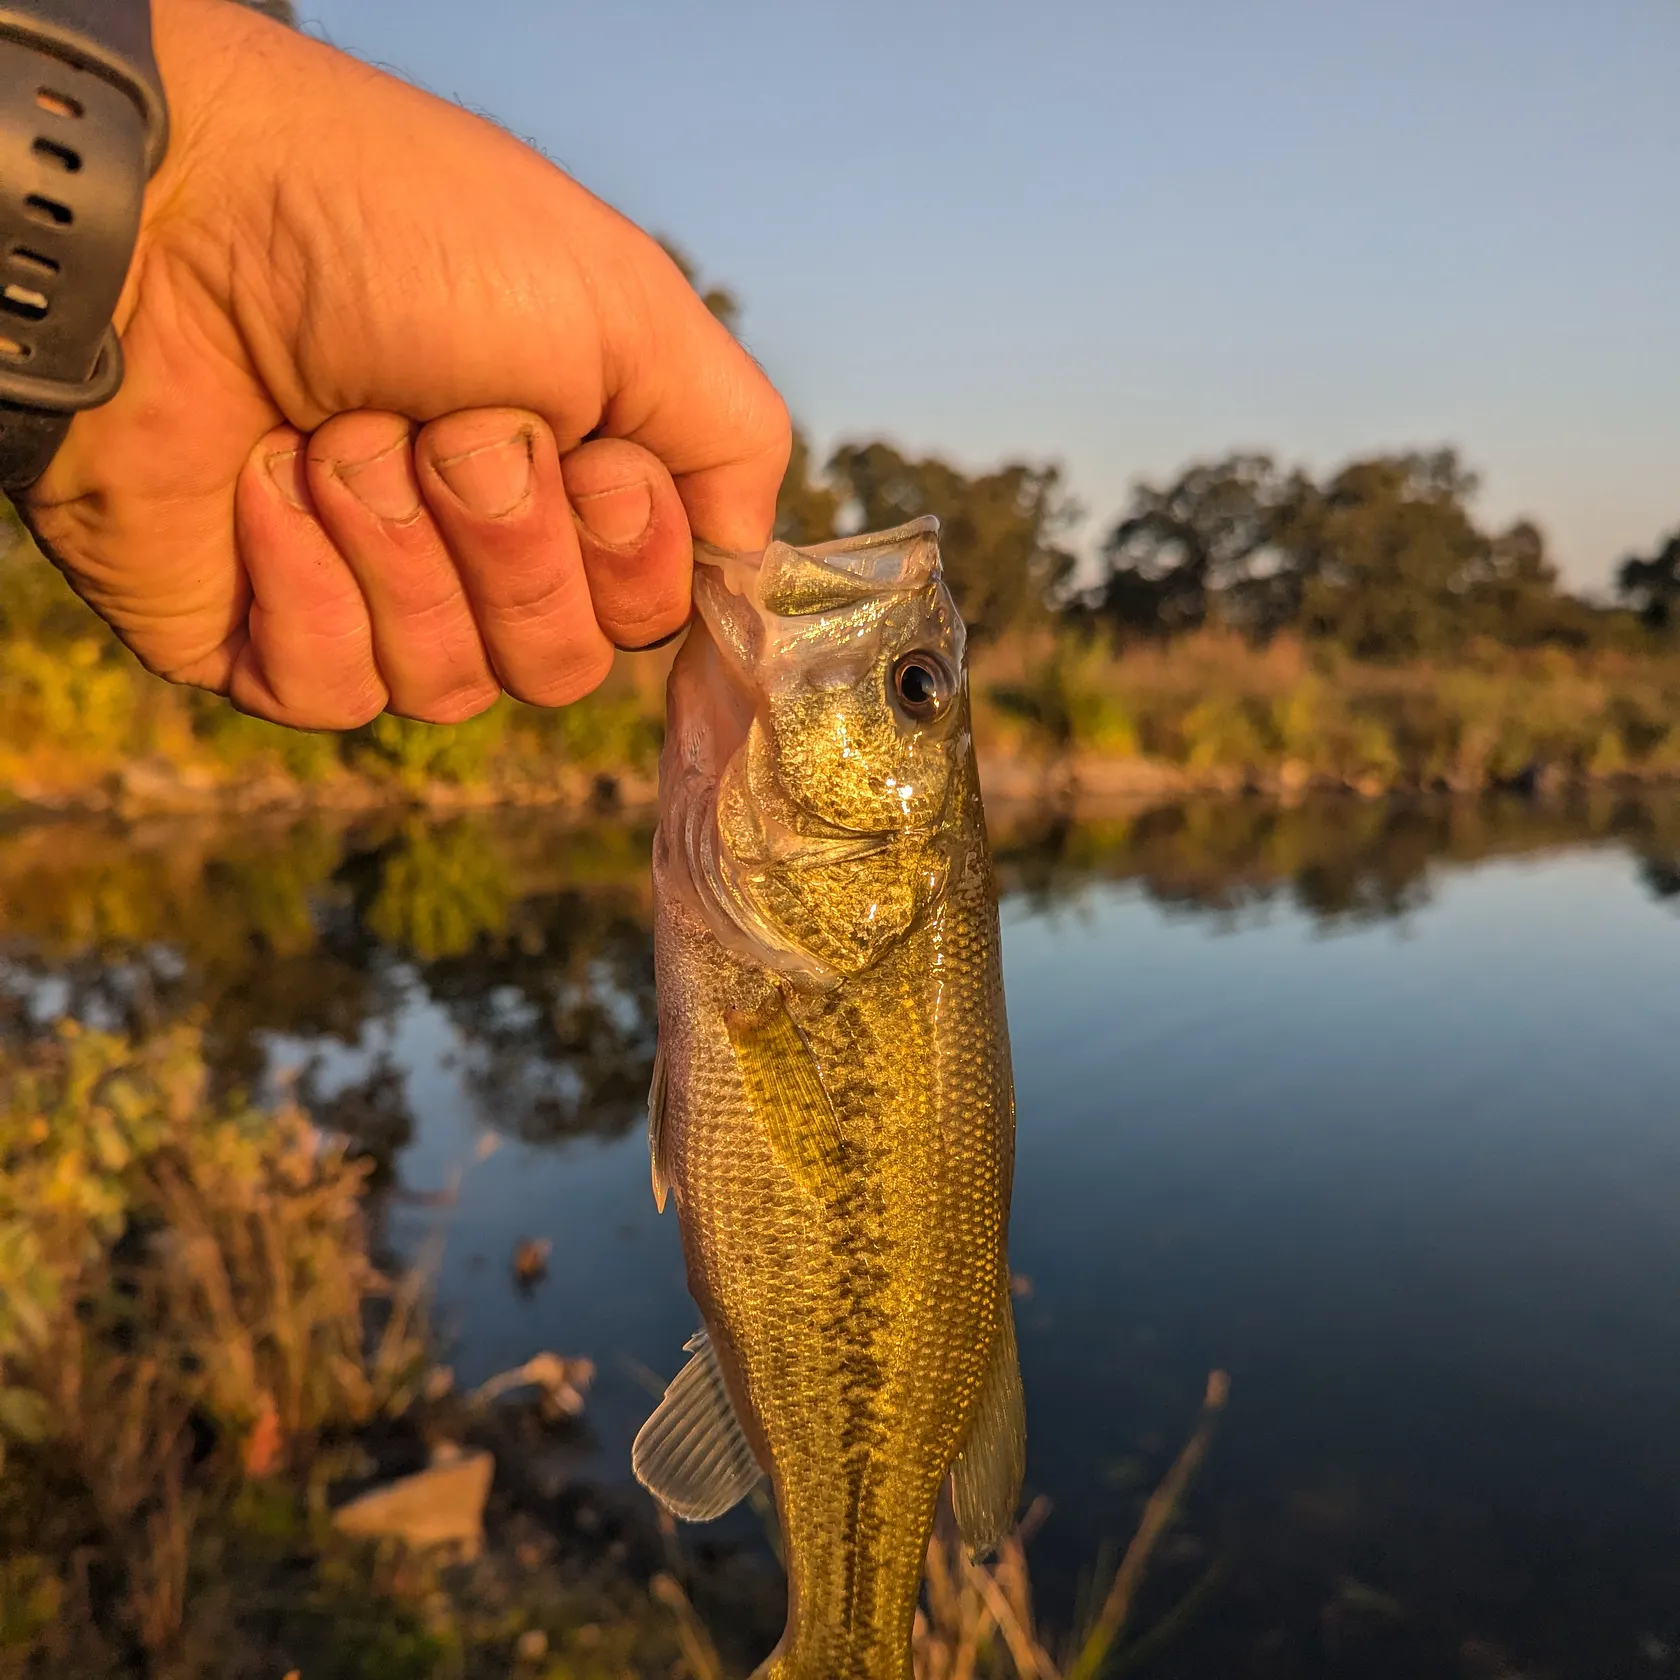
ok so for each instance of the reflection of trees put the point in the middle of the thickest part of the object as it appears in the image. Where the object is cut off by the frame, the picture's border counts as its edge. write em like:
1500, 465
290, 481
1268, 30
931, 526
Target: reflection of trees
1337, 859
1661, 875
435, 890
534, 939
372, 1111
559, 1012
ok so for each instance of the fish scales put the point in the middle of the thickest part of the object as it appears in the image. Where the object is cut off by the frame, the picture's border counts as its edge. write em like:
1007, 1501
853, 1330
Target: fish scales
834, 1110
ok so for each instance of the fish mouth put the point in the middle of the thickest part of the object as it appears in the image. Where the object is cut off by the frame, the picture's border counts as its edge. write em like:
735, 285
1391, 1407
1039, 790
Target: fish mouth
862, 556
784, 582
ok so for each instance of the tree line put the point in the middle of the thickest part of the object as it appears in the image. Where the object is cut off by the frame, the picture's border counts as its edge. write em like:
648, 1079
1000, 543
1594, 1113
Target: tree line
1383, 556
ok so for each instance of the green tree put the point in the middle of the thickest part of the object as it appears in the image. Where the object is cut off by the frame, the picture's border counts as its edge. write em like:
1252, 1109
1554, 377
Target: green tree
1651, 585
999, 531
808, 506
1385, 552
1190, 554
1383, 557
1514, 596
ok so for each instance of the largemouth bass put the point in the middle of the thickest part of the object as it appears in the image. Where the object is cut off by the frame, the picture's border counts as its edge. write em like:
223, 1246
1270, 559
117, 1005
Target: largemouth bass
832, 1106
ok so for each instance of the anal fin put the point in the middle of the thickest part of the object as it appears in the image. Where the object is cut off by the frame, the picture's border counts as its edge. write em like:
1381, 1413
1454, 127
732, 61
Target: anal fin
692, 1455
986, 1476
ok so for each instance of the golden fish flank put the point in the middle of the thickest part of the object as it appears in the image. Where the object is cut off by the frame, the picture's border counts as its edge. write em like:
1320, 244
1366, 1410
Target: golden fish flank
832, 1107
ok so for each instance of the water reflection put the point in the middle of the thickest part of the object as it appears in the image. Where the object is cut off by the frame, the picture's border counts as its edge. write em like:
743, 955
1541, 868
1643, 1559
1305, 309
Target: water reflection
1337, 859
533, 938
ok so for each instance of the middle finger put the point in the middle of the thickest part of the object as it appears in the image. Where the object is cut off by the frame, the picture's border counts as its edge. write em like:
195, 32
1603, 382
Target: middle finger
362, 480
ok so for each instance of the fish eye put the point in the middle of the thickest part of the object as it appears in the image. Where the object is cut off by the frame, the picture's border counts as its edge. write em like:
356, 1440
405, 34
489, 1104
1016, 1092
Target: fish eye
923, 685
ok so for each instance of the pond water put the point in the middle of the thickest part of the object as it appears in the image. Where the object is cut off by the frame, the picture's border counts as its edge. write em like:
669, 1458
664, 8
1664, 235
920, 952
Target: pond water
1374, 1106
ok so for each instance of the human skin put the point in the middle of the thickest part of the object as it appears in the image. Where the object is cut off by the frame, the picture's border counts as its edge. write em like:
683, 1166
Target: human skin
409, 417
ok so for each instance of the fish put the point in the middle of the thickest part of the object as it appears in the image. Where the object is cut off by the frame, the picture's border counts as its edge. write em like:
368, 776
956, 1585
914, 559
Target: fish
832, 1108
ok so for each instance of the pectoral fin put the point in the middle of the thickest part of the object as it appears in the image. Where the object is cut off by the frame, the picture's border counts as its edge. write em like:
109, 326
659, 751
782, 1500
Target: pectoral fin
986, 1477
692, 1455
787, 1090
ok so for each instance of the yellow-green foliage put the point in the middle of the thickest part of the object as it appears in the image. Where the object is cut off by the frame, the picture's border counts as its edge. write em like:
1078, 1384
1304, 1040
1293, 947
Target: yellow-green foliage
417, 753
1214, 705
231, 1235
605, 731
440, 888
1062, 699
166, 1262
238, 740
75, 708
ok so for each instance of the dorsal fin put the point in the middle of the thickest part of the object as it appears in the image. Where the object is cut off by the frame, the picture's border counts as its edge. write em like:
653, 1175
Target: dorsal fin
986, 1477
692, 1455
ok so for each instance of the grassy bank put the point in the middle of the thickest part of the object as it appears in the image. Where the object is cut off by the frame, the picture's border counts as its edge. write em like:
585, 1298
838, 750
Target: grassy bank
198, 1354
1212, 712
82, 727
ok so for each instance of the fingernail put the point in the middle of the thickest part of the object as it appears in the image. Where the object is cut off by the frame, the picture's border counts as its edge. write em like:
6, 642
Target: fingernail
385, 485
491, 481
285, 470
658, 641
619, 516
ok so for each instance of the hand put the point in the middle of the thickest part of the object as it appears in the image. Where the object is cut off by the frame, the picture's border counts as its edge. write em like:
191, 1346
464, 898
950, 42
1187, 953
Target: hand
409, 416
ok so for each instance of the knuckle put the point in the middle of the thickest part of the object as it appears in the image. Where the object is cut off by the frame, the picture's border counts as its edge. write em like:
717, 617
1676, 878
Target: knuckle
352, 708
560, 687
460, 704
357, 712
537, 595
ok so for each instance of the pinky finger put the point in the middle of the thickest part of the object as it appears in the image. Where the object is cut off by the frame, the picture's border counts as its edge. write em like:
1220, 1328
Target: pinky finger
308, 658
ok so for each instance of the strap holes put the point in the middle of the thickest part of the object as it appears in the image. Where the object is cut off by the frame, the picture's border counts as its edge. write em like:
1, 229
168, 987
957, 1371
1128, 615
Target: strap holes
49, 210
60, 157
59, 104
12, 351
20, 300
32, 262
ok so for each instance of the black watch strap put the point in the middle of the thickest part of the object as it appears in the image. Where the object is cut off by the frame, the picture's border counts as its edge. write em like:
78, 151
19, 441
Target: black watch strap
82, 126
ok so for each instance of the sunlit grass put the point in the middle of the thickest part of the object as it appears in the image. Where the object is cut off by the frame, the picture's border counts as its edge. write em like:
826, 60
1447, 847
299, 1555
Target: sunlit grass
1221, 710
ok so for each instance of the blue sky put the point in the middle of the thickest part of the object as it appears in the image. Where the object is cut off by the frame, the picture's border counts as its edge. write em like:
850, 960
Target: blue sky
1121, 235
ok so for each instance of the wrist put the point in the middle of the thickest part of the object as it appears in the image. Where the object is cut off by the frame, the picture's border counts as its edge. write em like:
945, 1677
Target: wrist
82, 123
211, 57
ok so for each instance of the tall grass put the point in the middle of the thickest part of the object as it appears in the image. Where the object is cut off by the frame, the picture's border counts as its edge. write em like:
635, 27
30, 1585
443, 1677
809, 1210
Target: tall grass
187, 1305
78, 717
1222, 711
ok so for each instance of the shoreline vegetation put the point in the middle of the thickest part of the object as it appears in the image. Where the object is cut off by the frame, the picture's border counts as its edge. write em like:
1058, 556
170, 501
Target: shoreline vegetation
1058, 721
1246, 627
1246, 630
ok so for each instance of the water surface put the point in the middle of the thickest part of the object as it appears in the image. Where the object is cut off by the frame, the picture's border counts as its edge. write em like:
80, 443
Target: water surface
1373, 1106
